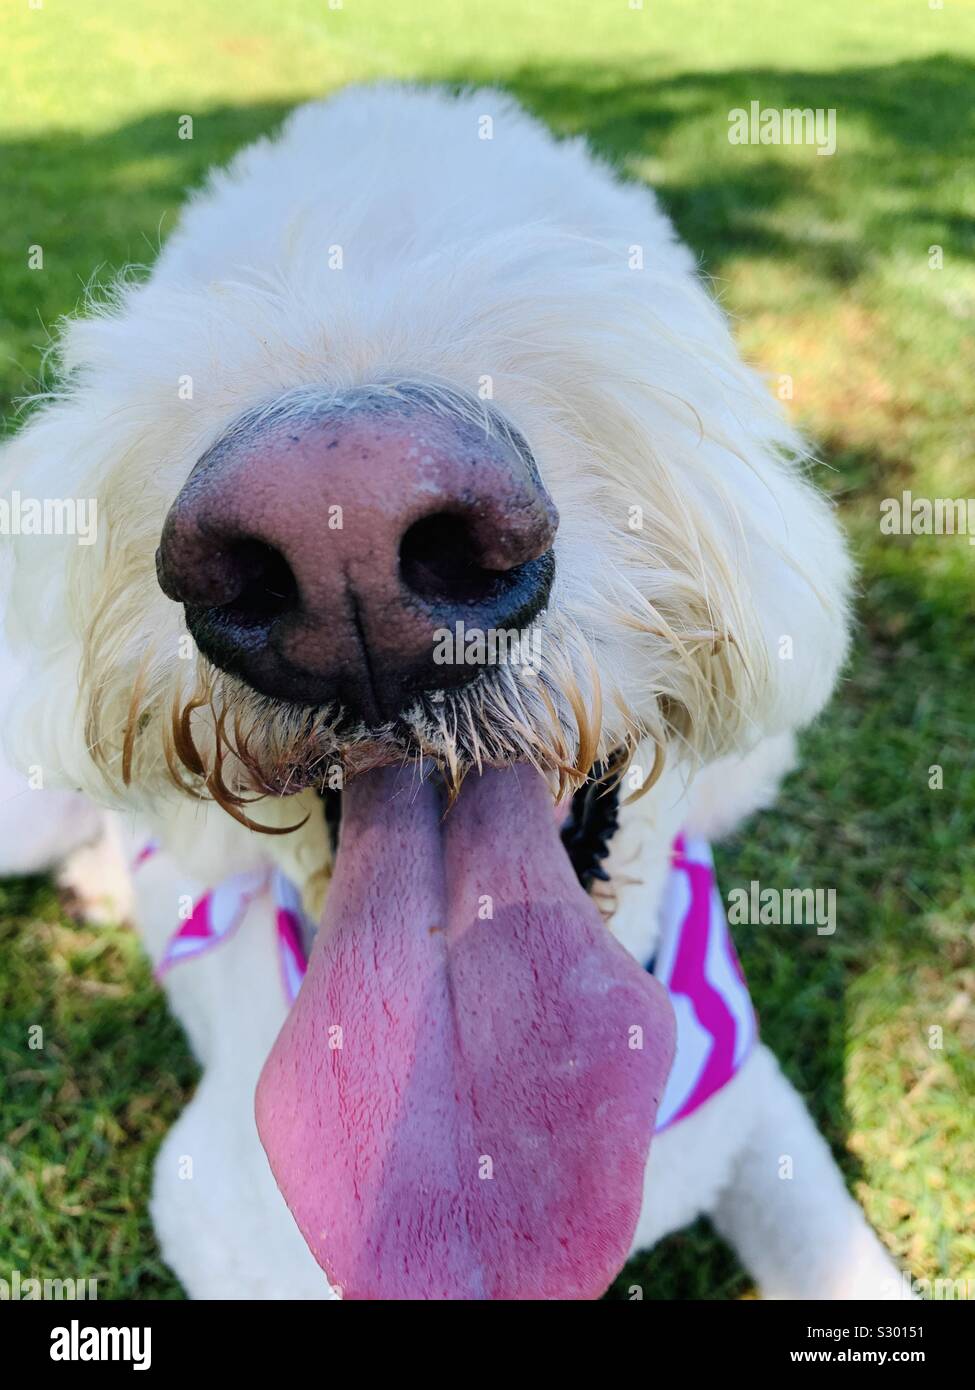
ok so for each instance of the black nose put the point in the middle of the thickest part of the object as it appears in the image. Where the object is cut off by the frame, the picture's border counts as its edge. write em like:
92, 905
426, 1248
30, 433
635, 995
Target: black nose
320, 559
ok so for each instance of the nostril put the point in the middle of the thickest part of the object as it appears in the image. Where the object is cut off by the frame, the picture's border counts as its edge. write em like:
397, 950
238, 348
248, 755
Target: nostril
268, 586
438, 560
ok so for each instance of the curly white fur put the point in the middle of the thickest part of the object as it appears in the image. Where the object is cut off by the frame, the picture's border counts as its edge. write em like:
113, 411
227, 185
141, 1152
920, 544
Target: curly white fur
463, 261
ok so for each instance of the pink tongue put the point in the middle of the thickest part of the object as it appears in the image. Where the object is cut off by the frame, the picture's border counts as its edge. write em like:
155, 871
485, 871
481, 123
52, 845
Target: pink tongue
460, 1103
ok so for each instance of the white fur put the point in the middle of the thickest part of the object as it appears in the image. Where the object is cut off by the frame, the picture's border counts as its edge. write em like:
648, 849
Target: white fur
57, 831
513, 260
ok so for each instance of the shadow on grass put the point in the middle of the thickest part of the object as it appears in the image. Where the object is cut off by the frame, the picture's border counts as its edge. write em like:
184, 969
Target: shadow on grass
901, 129
95, 205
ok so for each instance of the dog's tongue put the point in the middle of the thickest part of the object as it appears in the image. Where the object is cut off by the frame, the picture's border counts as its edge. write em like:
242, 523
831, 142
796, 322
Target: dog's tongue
460, 1103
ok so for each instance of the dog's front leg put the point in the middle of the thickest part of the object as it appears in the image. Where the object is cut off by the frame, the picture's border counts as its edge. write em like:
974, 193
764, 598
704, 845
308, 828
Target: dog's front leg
222, 1224
788, 1214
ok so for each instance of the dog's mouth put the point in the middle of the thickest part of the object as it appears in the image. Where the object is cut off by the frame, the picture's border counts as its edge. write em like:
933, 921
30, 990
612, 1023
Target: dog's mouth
461, 1101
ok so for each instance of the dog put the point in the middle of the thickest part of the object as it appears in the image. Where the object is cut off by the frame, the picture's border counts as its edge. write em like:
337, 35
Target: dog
454, 583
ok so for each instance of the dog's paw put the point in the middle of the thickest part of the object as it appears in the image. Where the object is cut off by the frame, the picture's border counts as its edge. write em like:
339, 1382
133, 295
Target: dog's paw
95, 884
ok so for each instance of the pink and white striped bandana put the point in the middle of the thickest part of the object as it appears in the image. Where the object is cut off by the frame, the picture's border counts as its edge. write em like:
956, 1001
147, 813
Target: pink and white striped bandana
695, 960
217, 915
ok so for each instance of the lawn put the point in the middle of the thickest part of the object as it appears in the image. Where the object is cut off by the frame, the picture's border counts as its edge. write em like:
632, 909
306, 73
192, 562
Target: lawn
825, 264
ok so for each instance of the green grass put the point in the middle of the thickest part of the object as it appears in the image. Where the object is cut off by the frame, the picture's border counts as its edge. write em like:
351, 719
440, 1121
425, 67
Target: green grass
824, 264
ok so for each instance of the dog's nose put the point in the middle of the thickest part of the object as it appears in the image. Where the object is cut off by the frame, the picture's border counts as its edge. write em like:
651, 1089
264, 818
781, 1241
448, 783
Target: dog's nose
318, 550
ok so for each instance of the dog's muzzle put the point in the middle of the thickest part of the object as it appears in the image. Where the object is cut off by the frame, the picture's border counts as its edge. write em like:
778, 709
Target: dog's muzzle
319, 547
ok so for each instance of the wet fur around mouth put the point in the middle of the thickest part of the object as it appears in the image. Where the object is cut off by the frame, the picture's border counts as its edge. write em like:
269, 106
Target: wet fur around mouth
254, 746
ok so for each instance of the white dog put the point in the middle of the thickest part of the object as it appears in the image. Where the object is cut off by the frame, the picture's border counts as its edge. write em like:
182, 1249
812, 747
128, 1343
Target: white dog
410, 376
